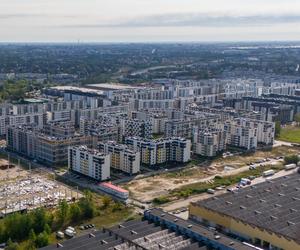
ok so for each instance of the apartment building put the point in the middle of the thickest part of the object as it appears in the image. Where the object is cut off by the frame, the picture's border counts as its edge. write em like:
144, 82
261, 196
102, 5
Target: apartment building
52, 151
22, 140
209, 142
59, 129
135, 127
265, 130
241, 135
121, 157
100, 130
89, 162
161, 151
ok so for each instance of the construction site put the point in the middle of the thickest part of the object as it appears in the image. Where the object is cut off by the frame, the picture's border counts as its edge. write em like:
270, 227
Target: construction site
22, 190
146, 189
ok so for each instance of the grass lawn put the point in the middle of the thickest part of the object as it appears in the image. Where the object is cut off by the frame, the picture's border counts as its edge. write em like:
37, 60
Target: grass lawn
290, 134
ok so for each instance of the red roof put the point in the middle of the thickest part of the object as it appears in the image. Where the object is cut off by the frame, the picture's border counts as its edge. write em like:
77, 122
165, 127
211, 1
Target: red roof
111, 186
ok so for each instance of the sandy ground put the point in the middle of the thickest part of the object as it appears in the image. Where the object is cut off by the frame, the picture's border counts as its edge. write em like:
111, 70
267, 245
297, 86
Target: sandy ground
145, 190
184, 203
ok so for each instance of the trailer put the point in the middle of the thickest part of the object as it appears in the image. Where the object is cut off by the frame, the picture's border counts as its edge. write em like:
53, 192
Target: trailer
268, 173
290, 166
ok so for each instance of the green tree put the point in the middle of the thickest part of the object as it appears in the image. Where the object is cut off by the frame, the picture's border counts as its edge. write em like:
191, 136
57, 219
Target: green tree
47, 229
63, 211
87, 205
42, 240
106, 200
290, 159
40, 219
12, 245
32, 235
117, 207
75, 212
277, 128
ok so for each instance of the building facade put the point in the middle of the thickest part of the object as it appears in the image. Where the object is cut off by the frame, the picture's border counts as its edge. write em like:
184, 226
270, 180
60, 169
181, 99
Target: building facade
88, 162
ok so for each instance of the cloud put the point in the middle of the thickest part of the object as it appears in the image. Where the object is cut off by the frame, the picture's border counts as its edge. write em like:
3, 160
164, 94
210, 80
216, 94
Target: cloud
195, 20
13, 16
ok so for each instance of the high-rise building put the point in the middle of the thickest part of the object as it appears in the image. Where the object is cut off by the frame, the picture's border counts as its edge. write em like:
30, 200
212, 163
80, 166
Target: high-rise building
89, 162
121, 157
155, 152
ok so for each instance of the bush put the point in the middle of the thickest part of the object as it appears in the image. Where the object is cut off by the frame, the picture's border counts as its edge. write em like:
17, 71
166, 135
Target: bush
161, 200
290, 159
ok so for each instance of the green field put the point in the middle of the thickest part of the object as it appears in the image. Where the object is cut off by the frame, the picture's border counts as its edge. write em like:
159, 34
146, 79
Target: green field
290, 134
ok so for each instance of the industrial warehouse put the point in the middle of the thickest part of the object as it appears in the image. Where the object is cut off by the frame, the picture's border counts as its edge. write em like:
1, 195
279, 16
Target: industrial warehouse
157, 230
266, 214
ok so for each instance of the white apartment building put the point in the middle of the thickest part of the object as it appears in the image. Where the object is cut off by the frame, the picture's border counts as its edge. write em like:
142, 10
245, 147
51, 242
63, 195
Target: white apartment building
265, 129
241, 135
90, 163
121, 157
209, 142
156, 152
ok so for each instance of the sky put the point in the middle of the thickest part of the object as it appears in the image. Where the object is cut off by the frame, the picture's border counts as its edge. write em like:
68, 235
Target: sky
149, 20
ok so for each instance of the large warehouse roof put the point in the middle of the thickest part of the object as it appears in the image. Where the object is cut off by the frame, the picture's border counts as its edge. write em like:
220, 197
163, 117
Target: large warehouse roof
153, 233
273, 205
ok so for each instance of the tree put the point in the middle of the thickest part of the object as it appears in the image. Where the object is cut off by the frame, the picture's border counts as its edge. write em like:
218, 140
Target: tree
290, 159
47, 229
106, 200
75, 212
117, 206
277, 128
11, 245
32, 235
87, 205
40, 219
42, 240
63, 211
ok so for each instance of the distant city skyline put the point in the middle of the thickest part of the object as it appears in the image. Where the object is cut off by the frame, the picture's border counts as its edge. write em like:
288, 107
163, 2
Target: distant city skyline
149, 20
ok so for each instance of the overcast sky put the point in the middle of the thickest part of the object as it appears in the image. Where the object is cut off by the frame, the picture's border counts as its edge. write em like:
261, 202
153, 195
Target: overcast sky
148, 20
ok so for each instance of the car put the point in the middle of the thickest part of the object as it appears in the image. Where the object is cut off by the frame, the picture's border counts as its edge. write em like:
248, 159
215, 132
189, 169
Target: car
60, 235
81, 228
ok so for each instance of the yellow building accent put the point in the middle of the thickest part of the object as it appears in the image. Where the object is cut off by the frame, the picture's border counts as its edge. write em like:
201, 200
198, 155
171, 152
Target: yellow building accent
243, 228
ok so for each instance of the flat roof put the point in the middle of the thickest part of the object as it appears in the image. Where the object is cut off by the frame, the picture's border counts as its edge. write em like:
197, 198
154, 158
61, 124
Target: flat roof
114, 187
113, 86
273, 205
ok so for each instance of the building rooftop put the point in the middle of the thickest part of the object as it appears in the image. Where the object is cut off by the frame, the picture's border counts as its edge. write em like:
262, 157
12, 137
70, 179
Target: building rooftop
114, 187
149, 234
273, 205
112, 86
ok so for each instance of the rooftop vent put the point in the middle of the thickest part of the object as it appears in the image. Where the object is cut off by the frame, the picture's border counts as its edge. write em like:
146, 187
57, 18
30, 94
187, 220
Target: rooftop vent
217, 237
273, 217
58, 245
242, 207
277, 205
257, 212
290, 223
